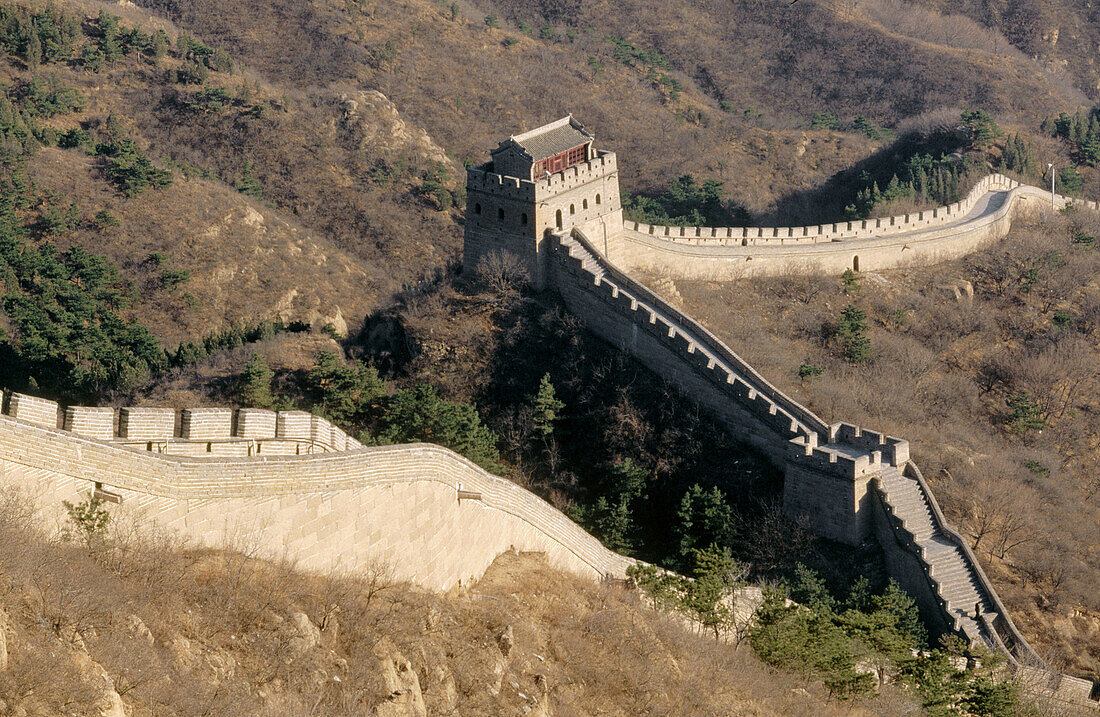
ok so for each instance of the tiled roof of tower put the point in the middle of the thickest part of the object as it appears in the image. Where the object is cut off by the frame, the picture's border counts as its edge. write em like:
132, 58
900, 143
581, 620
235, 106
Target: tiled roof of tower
550, 139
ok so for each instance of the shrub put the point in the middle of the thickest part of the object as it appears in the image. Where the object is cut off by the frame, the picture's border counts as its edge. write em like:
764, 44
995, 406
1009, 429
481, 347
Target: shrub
104, 220
807, 370
824, 120
862, 125
1025, 414
73, 138
87, 522
129, 169
248, 184
501, 272
171, 279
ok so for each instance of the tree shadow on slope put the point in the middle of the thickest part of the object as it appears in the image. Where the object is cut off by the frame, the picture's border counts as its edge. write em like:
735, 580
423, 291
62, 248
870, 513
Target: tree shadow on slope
921, 167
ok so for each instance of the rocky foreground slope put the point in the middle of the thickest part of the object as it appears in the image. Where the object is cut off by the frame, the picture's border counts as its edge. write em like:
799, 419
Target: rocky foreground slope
143, 626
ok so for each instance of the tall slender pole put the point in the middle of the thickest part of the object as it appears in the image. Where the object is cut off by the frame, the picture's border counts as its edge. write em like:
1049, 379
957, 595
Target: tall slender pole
1051, 186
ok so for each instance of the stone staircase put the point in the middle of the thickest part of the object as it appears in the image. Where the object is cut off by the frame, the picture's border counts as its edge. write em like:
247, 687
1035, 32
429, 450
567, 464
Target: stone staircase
952, 573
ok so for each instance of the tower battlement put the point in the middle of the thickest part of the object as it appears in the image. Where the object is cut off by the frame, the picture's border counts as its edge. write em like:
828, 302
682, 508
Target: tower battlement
514, 201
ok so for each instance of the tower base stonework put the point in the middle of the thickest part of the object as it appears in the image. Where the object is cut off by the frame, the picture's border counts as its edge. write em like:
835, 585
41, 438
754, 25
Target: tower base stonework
829, 504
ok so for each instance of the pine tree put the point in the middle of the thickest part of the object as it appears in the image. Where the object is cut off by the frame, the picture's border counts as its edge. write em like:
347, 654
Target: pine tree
1080, 128
256, 383
980, 127
546, 407
248, 184
852, 332
34, 50
1009, 158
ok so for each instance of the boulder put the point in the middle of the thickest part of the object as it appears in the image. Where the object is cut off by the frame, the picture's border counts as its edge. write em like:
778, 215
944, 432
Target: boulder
304, 635
135, 626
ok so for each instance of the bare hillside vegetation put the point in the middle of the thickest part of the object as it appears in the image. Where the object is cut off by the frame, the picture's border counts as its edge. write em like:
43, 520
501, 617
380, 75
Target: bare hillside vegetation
141, 625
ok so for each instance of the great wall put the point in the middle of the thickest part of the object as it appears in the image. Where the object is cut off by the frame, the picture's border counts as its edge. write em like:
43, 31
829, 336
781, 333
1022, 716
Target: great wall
292, 484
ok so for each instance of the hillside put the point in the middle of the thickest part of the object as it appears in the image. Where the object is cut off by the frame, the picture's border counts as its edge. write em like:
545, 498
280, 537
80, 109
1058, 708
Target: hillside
146, 626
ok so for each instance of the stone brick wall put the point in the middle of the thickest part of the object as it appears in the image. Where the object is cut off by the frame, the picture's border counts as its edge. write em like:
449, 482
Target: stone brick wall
330, 511
724, 253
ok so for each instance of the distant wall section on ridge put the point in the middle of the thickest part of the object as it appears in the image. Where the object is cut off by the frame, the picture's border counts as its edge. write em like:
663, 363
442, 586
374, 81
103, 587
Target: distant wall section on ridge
925, 237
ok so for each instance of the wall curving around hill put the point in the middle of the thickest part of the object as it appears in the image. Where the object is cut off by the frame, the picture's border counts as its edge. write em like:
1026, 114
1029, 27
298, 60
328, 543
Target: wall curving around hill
431, 515
930, 236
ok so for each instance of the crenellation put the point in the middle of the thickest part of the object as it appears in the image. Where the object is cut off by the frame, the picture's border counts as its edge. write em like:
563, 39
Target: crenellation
90, 421
144, 423
255, 423
206, 423
33, 409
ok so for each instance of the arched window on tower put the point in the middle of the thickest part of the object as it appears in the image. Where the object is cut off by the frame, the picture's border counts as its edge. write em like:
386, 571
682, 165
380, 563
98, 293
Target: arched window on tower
557, 218
597, 199
523, 218
500, 214
584, 204
572, 209
477, 209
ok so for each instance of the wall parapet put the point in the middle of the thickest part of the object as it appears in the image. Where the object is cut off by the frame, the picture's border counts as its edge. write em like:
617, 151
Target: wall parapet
829, 232
714, 253
167, 430
305, 484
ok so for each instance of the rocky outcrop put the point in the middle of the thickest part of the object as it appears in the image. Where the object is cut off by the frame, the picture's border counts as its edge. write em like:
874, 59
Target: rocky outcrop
107, 702
375, 121
401, 696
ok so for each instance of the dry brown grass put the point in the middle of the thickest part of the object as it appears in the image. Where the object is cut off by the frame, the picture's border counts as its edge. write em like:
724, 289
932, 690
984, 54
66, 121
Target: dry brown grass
223, 639
941, 373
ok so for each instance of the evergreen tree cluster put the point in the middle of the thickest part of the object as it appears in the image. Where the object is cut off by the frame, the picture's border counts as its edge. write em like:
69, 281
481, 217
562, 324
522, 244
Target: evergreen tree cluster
921, 178
192, 352
51, 35
1019, 156
980, 128
824, 636
707, 597
686, 202
38, 37
68, 336
354, 396
1081, 130
128, 168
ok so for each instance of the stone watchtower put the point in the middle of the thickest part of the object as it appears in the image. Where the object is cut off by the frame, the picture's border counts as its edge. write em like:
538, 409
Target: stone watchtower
538, 182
